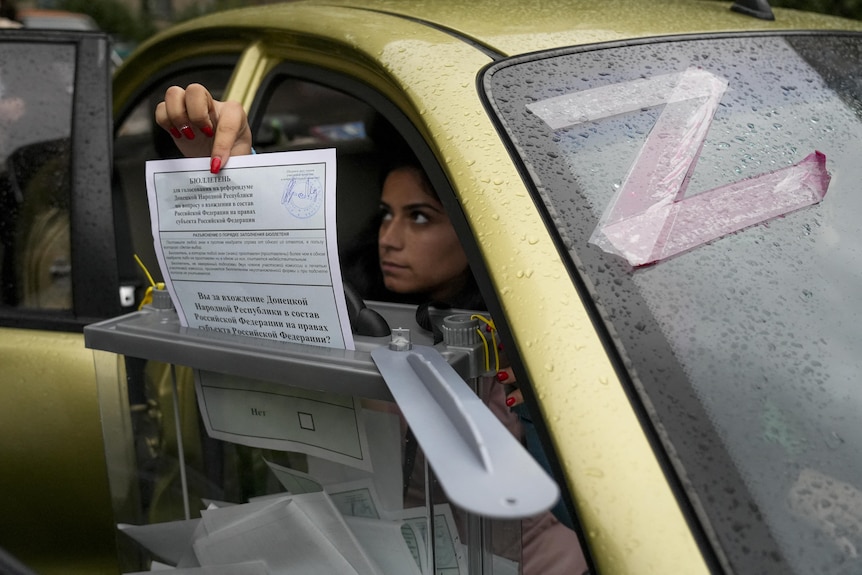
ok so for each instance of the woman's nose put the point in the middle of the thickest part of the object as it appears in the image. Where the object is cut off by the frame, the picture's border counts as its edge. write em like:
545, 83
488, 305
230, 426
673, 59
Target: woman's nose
391, 236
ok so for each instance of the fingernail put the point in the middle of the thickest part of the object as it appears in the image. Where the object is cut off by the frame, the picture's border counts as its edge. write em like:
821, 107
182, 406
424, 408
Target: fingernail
188, 132
510, 401
502, 376
175, 133
208, 132
488, 328
500, 346
215, 165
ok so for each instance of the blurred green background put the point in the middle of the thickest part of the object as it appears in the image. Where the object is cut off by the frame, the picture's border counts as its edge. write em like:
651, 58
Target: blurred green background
846, 8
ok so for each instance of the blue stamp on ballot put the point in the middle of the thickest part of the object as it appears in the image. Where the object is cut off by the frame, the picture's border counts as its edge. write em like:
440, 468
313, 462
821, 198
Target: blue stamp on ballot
302, 196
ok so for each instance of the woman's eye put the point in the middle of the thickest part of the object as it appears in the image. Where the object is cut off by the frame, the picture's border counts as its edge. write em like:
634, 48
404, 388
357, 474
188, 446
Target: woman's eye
420, 218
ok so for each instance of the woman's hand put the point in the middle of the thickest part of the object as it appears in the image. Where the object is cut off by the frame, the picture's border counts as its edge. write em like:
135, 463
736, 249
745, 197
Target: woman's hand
203, 126
513, 394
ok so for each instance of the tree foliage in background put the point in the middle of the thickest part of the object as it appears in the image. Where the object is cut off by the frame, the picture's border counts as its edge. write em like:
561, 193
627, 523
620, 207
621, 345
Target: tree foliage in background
845, 8
201, 8
113, 17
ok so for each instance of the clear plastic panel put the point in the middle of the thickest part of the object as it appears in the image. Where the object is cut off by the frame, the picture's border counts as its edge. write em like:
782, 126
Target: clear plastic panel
280, 479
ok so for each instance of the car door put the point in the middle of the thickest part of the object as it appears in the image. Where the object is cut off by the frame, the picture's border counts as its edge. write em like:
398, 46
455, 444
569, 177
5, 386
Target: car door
292, 106
299, 106
57, 273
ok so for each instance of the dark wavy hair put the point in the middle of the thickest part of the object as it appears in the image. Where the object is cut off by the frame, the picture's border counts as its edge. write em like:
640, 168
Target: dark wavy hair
361, 261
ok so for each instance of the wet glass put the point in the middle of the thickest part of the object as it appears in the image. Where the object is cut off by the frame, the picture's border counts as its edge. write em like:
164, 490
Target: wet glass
743, 345
36, 88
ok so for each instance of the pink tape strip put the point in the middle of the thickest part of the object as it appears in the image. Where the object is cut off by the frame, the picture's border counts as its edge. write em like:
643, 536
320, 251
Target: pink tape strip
661, 171
650, 219
665, 230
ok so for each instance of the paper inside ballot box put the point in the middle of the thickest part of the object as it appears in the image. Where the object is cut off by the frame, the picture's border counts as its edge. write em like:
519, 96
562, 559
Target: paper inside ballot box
292, 534
253, 568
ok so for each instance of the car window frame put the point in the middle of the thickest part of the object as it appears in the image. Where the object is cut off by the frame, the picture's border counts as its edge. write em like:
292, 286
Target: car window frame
433, 167
401, 122
95, 284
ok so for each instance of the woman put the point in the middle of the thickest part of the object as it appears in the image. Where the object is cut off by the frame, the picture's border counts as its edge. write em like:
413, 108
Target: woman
412, 252
389, 260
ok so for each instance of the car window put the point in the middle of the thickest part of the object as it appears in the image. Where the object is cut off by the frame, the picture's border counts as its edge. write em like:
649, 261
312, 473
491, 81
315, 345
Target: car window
295, 113
36, 92
298, 111
706, 192
138, 139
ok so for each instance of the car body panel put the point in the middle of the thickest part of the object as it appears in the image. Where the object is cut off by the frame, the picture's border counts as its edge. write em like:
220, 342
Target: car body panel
426, 58
57, 512
58, 414
413, 54
518, 28
568, 385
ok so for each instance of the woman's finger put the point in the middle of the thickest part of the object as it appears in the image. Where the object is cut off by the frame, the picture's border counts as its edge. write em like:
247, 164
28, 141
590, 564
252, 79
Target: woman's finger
164, 122
514, 398
204, 126
172, 115
505, 375
175, 115
200, 109
232, 134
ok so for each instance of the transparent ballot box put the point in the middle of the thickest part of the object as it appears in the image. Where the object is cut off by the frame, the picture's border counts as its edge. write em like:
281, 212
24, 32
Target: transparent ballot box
242, 455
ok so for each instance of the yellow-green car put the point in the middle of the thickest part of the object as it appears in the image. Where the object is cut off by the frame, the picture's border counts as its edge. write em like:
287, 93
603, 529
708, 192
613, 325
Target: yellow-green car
657, 201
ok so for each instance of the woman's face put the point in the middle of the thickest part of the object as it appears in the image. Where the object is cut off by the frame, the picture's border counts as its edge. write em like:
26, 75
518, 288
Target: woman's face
419, 251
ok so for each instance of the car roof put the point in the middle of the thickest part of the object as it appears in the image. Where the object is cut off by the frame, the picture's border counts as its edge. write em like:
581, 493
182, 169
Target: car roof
513, 26
510, 27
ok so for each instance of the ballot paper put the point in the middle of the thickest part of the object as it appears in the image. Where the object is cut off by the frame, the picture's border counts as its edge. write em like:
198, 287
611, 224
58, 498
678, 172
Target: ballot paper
448, 550
252, 250
275, 416
356, 499
250, 568
320, 527
294, 534
295, 482
384, 542
384, 434
166, 541
309, 534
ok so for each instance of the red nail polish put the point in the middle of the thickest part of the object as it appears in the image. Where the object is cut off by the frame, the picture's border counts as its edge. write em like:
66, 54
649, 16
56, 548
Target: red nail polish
188, 132
175, 133
500, 346
502, 376
208, 132
510, 401
488, 328
215, 165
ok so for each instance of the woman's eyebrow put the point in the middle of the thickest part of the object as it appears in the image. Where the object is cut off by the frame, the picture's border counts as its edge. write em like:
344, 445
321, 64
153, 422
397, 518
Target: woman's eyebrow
422, 205
411, 207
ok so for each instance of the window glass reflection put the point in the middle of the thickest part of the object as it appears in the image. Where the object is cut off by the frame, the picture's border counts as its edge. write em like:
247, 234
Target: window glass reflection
36, 89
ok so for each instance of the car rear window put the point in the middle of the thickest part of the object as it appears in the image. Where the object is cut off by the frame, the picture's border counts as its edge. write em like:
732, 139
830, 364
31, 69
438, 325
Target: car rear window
707, 193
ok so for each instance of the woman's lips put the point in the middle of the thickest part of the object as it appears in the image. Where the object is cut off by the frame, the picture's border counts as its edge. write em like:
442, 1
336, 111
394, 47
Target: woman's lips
388, 266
